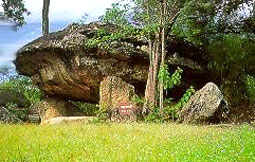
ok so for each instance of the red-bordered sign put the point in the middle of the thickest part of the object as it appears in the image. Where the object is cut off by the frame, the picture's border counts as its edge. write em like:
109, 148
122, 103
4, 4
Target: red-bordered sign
126, 108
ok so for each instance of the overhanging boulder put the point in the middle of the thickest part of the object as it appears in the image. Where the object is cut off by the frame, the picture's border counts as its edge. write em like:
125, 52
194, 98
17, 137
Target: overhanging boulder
63, 67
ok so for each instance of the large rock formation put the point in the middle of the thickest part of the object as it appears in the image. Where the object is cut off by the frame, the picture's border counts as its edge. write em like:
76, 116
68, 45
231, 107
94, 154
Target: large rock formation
62, 66
206, 106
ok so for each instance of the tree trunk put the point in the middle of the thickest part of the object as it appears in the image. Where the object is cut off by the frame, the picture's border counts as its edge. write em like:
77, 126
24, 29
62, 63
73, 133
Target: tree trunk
163, 55
151, 86
45, 17
161, 85
152, 82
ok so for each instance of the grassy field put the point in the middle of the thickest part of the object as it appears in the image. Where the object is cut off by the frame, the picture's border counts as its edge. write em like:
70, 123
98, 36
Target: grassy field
126, 142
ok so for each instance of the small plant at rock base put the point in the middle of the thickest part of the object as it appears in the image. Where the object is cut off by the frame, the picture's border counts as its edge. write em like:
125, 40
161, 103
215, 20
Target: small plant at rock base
138, 100
96, 120
169, 81
154, 116
103, 115
172, 110
87, 108
11, 105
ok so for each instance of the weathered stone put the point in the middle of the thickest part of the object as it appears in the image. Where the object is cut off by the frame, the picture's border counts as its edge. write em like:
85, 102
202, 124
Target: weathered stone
113, 91
51, 108
67, 120
206, 106
62, 66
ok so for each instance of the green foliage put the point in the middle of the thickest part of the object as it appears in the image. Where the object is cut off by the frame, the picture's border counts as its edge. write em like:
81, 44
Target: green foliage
149, 30
129, 23
102, 115
172, 109
250, 88
231, 59
96, 120
11, 105
196, 19
117, 14
87, 108
138, 100
15, 10
104, 39
23, 85
225, 32
154, 116
202, 20
21, 114
169, 81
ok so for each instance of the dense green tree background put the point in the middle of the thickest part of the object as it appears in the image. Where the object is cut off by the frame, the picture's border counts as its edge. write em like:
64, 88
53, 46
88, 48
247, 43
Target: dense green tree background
15, 11
224, 30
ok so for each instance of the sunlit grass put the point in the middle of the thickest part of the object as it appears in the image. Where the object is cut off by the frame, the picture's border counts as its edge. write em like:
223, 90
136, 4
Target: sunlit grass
126, 142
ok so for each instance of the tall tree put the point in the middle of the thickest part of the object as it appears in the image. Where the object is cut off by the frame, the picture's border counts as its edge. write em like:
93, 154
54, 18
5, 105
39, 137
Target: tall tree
151, 86
163, 13
45, 17
170, 11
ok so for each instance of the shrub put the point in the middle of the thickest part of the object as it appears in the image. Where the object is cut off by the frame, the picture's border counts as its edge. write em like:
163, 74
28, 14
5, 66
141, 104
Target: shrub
138, 100
250, 88
21, 114
23, 85
87, 108
172, 110
154, 116
231, 59
169, 81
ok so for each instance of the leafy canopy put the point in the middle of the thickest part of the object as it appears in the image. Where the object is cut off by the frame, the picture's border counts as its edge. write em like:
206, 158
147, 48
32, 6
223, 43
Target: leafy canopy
15, 11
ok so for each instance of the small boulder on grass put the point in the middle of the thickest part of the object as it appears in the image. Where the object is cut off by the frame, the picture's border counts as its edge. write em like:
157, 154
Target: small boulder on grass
68, 120
51, 108
206, 106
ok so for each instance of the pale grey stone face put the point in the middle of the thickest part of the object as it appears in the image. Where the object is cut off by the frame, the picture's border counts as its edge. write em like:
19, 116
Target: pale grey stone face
206, 106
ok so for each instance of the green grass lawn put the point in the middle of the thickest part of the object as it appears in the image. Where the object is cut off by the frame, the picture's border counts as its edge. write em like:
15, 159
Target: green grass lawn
126, 142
